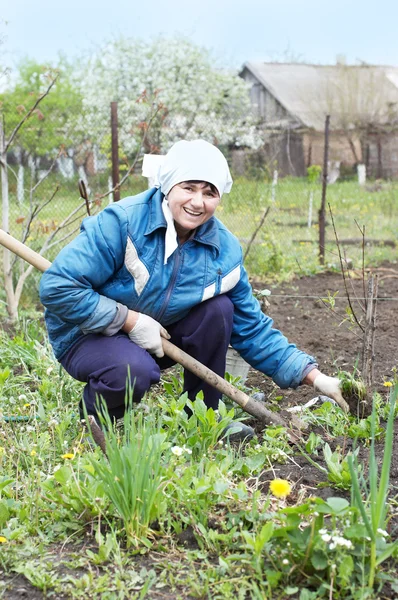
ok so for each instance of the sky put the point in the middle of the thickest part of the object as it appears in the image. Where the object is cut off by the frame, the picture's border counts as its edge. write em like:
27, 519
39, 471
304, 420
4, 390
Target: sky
312, 31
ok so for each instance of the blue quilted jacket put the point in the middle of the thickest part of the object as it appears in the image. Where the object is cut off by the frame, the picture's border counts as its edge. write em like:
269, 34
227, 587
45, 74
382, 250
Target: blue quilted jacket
118, 257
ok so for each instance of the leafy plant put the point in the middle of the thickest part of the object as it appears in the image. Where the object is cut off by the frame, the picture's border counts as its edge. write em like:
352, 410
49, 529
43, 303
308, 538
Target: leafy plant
202, 428
362, 429
132, 473
328, 416
313, 442
314, 173
338, 468
76, 489
370, 496
353, 390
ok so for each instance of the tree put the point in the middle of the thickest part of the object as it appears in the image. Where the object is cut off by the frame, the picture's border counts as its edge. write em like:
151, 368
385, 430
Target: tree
13, 292
55, 123
360, 99
198, 99
28, 132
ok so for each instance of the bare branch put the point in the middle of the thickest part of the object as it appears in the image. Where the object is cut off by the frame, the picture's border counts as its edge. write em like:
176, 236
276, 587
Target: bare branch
28, 114
62, 225
337, 317
351, 282
12, 171
33, 214
65, 223
46, 174
21, 281
40, 208
61, 239
253, 237
362, 232
343, 272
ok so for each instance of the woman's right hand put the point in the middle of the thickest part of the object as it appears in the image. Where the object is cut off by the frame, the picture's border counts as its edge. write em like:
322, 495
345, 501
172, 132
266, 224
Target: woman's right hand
145, 332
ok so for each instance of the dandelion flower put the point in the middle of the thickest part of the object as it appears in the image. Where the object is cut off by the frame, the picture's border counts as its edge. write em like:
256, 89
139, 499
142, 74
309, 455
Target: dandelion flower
22, 397
68, 456
3, 540
280, 488
33, 452
27, 405
387, 384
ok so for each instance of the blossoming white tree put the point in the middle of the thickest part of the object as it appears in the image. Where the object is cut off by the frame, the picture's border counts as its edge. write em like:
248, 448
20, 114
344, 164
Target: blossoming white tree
198, 99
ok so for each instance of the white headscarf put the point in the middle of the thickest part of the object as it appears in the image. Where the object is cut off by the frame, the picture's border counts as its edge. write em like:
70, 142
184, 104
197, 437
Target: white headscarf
190, 161
194, 161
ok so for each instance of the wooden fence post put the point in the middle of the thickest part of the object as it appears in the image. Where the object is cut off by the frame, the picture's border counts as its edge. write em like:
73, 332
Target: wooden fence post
322, 210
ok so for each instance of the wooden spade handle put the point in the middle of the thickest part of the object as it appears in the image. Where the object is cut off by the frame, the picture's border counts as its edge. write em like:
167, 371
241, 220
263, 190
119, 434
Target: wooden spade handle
18, 248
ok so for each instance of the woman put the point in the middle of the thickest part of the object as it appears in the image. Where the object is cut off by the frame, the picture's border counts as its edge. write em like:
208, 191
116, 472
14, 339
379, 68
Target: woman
161, 265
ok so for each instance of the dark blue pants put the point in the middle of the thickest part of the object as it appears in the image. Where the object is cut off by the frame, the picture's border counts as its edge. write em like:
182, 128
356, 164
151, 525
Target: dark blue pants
104, 363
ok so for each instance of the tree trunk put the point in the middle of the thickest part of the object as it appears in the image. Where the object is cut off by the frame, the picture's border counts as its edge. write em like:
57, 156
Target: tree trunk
357, 159
368, 354
12, 306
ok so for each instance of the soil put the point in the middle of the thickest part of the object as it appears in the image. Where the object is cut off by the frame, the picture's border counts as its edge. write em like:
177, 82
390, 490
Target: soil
298, 312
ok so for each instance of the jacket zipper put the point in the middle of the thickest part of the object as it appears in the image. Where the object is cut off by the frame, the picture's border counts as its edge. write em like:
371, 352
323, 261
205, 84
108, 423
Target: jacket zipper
170, 287
218, 282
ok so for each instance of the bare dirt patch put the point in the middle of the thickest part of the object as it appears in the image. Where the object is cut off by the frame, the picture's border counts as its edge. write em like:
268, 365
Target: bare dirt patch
314, 328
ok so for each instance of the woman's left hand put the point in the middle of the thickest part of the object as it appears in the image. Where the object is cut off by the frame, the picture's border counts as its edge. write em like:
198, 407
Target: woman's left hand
327, 386
331, 387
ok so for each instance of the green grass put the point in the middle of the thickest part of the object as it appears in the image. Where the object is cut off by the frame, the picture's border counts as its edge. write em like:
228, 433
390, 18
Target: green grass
283, 247
75, 523
286, 245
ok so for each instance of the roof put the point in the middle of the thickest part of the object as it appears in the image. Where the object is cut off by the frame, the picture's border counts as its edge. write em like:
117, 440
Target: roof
310, 92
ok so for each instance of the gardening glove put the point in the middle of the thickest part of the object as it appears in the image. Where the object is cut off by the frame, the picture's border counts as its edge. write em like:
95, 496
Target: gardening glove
330, 386
147, 333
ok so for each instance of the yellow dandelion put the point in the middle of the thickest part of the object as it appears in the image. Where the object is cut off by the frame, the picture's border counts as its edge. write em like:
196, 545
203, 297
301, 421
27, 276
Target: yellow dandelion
3, 540
280, 488
33, 452
387, 384
27, 405
68, 456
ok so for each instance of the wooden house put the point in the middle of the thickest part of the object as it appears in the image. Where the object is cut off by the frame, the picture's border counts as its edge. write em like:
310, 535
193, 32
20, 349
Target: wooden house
291, 102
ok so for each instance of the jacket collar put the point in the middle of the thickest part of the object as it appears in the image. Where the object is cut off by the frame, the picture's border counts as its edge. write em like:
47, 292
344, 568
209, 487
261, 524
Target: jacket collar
207, 233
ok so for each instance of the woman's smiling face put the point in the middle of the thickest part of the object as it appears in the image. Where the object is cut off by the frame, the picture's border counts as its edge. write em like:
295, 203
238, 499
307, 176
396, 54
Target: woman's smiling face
192, 203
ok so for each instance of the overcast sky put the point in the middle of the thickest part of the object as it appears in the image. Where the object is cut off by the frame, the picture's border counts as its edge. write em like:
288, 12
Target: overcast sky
237, 31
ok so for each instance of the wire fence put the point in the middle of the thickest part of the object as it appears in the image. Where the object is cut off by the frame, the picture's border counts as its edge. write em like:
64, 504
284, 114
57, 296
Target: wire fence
272, 208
